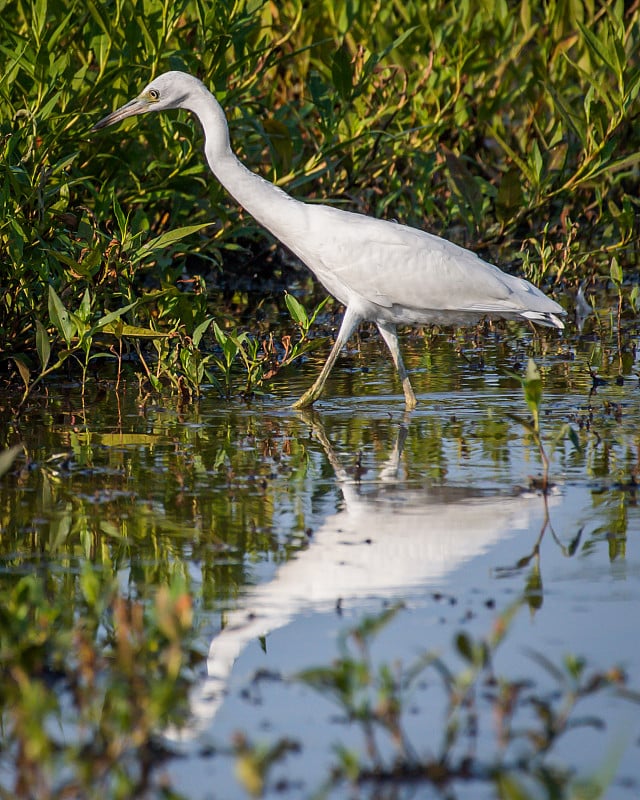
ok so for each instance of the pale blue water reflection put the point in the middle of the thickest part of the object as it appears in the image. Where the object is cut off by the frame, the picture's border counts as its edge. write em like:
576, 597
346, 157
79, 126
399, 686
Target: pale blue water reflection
453, 538
587, 606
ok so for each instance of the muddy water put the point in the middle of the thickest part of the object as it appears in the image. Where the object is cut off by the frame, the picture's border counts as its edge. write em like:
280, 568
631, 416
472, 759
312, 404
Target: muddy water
290, 527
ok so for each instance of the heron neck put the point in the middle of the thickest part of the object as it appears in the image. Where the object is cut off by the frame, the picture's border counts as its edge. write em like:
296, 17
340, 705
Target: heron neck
280, 213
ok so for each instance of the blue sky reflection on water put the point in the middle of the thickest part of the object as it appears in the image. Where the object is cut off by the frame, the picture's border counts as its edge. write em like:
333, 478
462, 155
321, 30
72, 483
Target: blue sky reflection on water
447, 548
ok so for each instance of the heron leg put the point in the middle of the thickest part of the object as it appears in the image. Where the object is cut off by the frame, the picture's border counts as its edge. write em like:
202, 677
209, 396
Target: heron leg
350, 322
390, 336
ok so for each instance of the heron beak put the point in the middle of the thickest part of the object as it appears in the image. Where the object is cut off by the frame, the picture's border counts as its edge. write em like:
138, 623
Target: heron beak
130, 109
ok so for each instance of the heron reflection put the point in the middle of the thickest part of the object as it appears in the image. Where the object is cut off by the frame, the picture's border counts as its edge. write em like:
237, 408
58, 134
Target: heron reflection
388, 541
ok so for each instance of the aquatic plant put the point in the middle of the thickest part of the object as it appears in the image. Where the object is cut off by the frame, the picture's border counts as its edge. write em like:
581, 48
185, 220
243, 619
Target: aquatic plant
532, 388
88, 689
376, 696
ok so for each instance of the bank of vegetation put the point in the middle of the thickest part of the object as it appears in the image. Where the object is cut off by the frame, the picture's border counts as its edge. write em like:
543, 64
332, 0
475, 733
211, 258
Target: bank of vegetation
510, 128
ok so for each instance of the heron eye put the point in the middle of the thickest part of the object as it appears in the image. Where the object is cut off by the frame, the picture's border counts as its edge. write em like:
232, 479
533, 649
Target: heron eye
154, 94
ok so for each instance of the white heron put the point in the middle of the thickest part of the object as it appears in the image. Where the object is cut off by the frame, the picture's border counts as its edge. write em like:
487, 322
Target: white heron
381, 271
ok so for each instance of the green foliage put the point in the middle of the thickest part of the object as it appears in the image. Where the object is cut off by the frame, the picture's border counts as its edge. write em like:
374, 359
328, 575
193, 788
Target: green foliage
377, 699
254, 761
84, 696
532, 388
258, 360
513, 123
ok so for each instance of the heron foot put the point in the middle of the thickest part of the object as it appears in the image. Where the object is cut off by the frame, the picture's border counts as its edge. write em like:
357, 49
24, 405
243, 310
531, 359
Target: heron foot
307, 399
410, 400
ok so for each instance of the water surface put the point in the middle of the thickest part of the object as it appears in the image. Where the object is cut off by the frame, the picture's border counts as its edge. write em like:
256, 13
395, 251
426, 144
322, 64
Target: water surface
290, 527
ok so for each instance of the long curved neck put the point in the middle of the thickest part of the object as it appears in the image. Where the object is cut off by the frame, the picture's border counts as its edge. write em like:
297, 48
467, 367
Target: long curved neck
270, 206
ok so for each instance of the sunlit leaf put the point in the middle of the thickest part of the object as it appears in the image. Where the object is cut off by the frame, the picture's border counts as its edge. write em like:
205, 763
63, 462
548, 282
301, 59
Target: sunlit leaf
167, 239
599, 46
112, 316
296, 310
616, 272
200, 331
90, 584
39, 18
132, 331
533, 386
84, 310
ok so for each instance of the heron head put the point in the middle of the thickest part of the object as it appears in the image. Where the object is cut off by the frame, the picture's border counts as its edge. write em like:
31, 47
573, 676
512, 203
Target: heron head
169, 90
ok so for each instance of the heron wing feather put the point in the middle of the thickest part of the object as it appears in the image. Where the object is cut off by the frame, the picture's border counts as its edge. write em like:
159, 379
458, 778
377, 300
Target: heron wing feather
381, 262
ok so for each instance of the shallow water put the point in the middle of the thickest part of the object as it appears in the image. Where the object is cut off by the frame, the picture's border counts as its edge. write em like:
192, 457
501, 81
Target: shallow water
290, 527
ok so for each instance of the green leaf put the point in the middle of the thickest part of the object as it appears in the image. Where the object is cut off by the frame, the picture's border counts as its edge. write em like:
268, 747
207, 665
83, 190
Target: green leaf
297, 311
376, 58
342, 72
281, 142
221, 336
525, 423
509, 788
372, 625
518, 161
573, 438
464, 184
574, 119
121, 330
90, 585
509, 197
59, 317
120, 218
43, 345
465, 647
112, 316
317, 310
228, 343
475, 653
101, 17
39, 18
166, 240
598, 46
200, 331
84, 310
319, 678
23, 369
533, 387
616, 272
535, 160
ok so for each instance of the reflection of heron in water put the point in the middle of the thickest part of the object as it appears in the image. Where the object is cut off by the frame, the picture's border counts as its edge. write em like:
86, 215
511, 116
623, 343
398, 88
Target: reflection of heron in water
386, 542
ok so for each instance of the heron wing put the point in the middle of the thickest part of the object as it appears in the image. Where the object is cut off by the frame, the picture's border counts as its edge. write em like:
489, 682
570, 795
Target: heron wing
392, 265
